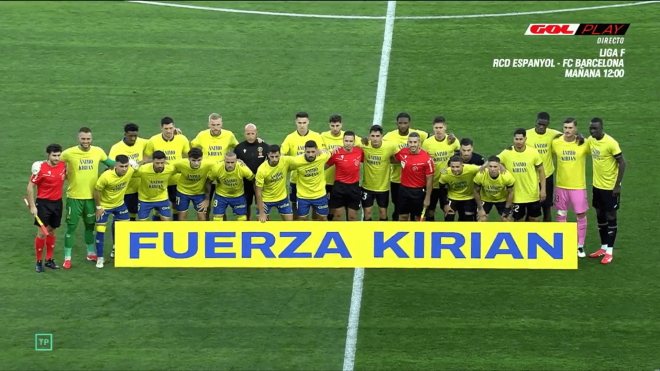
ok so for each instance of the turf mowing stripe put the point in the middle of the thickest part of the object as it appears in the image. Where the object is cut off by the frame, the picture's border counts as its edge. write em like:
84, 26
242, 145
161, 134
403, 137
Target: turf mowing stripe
358, 276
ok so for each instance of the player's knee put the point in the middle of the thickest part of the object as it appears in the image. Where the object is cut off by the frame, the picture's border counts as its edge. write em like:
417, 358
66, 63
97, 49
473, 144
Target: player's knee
582, 216
100, 228
610, 215
241, 218
562, 212
70, 228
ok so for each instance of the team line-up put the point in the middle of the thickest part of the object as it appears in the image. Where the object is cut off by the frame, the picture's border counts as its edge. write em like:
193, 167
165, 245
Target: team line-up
417, 171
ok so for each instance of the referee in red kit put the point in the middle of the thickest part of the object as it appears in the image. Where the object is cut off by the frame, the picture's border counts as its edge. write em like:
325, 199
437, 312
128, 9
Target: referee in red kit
417, 169
346, 192
49, 178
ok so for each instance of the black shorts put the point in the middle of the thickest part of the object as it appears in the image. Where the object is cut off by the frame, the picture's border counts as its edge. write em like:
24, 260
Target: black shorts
463, 207
345, 195
293, 193
411, 201
50, 212
248, 189
171, 193
488, 206
531, 209
435, 198
382, 198
328, 190
394, 190
605, 200
131, 201
549, 192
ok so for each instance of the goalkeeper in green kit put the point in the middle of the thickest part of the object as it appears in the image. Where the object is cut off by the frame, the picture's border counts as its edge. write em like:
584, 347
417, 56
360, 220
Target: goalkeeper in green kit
82, 163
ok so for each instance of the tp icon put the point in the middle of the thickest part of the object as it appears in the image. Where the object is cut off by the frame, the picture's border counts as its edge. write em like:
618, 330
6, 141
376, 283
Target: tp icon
43, 342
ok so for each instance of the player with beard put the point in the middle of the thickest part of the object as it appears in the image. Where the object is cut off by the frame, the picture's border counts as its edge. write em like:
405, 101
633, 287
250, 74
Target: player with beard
417, 172
399, 137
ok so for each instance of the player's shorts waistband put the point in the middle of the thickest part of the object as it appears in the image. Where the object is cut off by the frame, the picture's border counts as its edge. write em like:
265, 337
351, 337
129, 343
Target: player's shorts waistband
59, 200
153, 202
414, 188
346, 184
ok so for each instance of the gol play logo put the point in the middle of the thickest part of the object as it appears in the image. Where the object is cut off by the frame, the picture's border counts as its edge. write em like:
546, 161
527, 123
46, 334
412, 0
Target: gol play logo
577, 29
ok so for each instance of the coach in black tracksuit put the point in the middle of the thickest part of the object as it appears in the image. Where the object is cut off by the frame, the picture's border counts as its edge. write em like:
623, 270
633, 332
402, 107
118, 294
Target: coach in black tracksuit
253, 154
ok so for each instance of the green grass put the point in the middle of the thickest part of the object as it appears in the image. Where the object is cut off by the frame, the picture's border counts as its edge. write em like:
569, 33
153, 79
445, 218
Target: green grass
66, 65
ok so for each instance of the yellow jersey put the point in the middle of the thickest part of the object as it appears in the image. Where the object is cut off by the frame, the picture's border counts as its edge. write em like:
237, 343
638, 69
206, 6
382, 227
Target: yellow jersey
294, 145
153, 185
376, 166
272, 179
134, 152
230, 183
461, 187
440, 151
522, 166
174, 149
82, 168
571, 163
311, 182
494, 189
192, 181
401, 141
112, 187
215, 147
543, 144
606, 169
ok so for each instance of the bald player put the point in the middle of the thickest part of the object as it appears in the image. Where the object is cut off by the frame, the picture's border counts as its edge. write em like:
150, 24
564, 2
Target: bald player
253, 154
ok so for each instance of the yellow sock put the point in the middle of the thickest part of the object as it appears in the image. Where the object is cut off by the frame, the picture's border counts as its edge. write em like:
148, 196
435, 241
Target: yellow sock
242, 218
218, 218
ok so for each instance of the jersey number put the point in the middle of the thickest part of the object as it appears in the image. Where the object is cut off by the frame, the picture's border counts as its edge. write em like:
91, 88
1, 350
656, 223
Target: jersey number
516, 208
215, 202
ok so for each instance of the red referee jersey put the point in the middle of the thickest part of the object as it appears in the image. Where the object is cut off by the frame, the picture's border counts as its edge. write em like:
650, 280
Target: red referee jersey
347, 165
415, 167
49, 181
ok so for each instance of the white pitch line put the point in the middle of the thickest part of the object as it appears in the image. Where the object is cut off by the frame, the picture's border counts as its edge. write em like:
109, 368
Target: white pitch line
358, 276
330, 16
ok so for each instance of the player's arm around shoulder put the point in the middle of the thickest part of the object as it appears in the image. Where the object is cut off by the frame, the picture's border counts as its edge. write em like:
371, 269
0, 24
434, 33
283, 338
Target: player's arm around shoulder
246, 173
472, 169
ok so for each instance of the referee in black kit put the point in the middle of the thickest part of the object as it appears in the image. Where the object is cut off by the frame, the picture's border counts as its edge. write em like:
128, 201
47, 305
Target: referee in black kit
253, 154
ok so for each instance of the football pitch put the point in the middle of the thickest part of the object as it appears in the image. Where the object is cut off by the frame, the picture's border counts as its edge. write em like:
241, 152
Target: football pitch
102, 64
